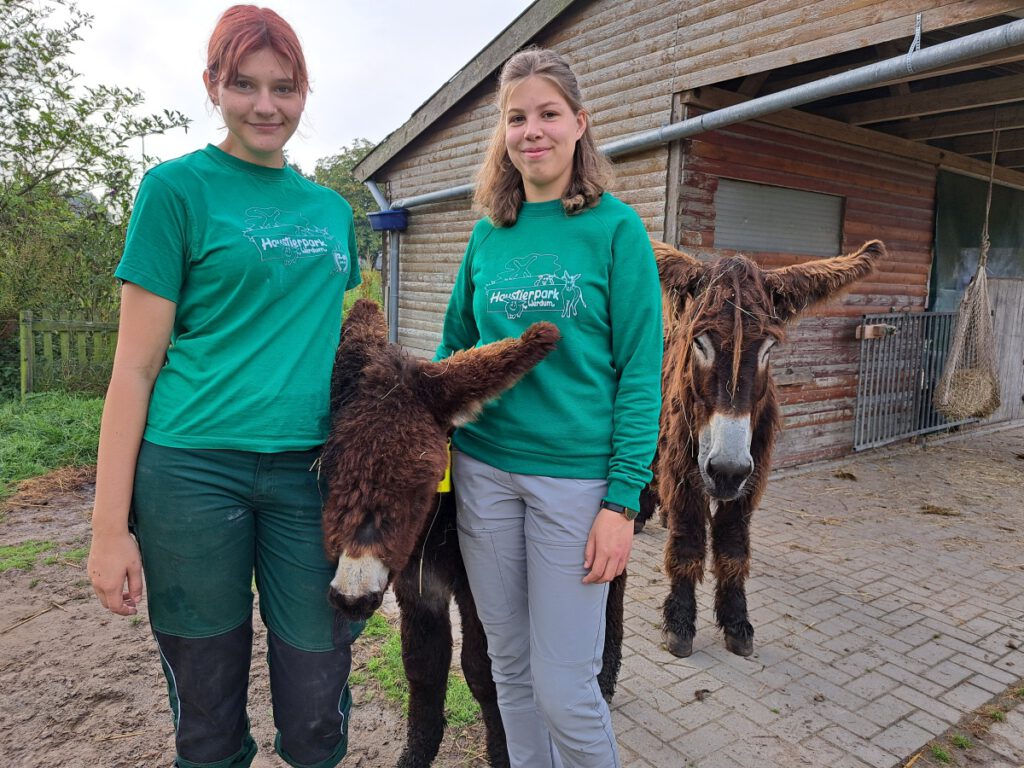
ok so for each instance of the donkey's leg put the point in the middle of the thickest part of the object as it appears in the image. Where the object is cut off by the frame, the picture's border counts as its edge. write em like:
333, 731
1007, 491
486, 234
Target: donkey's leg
476, 666
684, 566
730, 542
426, 656
613, 625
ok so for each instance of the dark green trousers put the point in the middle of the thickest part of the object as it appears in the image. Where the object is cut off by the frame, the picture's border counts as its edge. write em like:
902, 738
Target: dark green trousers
209, 522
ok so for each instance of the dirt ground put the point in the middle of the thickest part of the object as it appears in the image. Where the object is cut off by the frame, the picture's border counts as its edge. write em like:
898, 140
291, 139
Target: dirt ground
80, 687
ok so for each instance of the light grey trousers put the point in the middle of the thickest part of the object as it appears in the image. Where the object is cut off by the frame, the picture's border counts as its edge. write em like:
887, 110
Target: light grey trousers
522, 538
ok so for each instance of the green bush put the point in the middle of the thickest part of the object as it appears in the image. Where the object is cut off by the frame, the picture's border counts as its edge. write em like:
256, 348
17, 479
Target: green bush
10, 361
370, 288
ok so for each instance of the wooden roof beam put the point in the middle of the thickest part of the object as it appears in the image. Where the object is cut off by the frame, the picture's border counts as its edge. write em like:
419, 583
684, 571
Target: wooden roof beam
1010, 159
957, 124
982, 144
869, 138
999, 58
983, 93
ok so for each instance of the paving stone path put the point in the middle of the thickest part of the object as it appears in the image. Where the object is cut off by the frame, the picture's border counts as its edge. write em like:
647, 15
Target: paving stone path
887, 598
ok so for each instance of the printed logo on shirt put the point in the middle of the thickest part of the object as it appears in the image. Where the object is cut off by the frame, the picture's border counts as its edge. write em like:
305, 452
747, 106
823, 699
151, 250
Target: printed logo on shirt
534, 283
287, 236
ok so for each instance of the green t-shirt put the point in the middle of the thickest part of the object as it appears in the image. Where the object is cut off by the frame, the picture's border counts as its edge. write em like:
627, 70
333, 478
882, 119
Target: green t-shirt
258, 261
590, 409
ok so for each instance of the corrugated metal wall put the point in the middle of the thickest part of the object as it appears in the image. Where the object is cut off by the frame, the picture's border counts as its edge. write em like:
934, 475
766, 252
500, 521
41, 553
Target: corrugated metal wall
884, 197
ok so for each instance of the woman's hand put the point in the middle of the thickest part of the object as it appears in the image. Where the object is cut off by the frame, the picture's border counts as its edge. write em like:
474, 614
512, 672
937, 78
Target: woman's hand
608, 547
113, 560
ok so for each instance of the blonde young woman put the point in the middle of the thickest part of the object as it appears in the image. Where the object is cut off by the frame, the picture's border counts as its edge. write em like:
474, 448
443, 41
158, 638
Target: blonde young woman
548, 478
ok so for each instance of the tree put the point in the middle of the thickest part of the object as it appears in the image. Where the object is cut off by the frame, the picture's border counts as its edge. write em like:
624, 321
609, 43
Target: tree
336, 172
52, 131
66, 175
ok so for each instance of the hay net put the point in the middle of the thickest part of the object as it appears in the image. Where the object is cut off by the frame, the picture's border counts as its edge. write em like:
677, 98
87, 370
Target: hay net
969, 387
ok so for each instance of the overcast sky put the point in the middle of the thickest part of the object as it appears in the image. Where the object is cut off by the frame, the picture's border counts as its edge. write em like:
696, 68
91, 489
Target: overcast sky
371, 62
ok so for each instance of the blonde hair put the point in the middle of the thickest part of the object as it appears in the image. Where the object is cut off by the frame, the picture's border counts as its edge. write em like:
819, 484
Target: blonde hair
499, 189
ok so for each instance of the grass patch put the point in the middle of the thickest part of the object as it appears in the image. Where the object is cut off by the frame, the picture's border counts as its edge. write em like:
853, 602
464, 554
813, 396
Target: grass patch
961, 741
386, 670
941, 754
73, 557
76, 556
50, 430
23, 556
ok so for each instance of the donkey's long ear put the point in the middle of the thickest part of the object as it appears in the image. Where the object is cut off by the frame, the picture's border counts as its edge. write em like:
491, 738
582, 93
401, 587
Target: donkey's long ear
457, 388
795, 288
679, 272
363, 334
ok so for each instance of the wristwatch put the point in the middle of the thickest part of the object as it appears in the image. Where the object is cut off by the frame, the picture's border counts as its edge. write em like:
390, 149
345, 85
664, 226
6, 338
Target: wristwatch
629, 514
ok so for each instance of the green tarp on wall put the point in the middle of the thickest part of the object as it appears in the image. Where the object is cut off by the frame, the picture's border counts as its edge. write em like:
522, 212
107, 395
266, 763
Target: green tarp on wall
959, 216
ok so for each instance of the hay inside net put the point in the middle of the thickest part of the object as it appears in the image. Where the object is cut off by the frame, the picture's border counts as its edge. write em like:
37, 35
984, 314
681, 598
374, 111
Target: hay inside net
969, 387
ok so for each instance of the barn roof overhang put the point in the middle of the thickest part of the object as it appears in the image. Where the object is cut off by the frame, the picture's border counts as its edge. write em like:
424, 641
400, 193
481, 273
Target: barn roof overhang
949, 113
516, 35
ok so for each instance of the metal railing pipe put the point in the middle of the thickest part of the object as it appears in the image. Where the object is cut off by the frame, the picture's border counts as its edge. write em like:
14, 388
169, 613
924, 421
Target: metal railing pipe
441, 196
951, 52
921, 60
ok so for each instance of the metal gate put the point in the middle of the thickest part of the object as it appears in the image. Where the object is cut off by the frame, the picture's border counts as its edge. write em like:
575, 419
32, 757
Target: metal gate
901, 360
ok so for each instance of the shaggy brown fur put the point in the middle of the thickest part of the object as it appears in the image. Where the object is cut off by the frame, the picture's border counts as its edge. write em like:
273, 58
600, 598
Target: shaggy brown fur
721, 318
391, 415
385, 403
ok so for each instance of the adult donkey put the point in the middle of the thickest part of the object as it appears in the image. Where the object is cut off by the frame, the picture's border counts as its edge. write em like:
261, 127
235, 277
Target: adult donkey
720, 417
384, 524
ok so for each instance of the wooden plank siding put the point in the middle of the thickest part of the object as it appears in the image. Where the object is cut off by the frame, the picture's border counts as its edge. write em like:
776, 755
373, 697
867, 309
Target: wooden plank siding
634, 60
885, 197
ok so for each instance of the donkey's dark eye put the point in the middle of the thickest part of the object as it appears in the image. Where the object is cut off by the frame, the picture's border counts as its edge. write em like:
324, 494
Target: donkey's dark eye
703, 349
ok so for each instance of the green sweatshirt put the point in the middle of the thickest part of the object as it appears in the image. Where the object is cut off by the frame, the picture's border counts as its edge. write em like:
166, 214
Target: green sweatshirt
590, 409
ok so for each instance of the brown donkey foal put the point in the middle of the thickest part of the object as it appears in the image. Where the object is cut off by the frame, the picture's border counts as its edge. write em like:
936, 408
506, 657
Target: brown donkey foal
383, 522
720, 417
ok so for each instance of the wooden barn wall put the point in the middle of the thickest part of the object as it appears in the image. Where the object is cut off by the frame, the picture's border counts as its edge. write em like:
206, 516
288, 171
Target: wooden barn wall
623, 102
631, 56
885, 197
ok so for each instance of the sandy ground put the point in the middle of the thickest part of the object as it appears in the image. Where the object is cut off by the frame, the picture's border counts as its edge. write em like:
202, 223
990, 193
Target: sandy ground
80, 687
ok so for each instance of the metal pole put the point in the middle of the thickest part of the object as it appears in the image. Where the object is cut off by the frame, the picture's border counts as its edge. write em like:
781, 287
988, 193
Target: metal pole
378, 196
393, 237
443, 195
961, 49
393, 250
968, 47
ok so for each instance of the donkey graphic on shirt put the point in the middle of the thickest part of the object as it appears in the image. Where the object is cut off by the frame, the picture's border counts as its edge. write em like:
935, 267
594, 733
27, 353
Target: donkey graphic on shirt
533, 284
288, 236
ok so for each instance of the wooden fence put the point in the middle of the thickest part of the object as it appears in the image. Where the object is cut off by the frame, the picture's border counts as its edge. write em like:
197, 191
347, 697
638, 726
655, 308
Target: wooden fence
67, 348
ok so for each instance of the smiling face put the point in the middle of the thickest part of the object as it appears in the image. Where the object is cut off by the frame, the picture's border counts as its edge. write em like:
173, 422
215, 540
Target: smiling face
541, 131
261, 107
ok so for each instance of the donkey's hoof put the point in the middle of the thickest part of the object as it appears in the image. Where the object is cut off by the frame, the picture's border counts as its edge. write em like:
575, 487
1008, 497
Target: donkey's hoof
741, 643
678, 645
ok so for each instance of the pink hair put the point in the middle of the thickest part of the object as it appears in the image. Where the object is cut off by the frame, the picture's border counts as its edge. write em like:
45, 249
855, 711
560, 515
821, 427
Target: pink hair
245, 29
